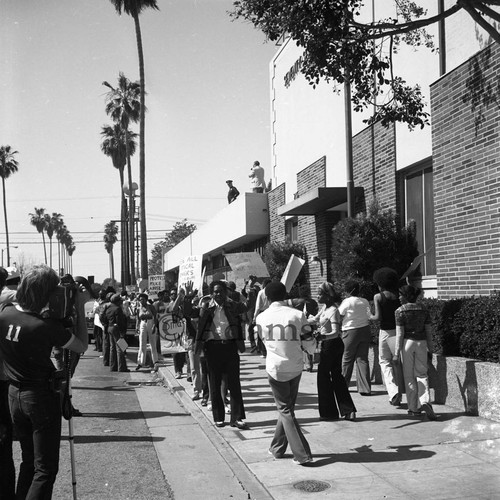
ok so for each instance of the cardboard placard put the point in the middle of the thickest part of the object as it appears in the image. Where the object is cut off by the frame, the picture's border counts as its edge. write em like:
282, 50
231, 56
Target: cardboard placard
172, 331
156, 283
244, 264
292, 271
190, 270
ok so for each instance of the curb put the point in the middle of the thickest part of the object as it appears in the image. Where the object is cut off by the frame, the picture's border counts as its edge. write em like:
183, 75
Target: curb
249, 482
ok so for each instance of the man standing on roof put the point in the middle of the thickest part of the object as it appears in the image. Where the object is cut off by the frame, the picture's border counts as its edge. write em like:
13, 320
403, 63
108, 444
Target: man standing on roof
257, 178
233, 193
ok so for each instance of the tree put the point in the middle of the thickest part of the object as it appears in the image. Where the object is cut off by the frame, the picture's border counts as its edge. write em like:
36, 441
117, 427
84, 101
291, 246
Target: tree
61, 231
123, 106
339, 48
110, 238
52, 222
180, 231
114, 146
134, 8
8, 166
70, 249
363, 244
39, 220
276, 257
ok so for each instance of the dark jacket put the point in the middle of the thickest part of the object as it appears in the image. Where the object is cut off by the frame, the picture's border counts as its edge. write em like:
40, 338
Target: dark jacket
205, 313
114, 315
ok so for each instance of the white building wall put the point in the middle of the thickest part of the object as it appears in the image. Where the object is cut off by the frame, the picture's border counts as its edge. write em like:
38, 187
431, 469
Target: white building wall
308, 123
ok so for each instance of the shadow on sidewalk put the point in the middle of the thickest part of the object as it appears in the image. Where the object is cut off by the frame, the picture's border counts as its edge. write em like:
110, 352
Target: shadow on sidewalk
134, 414
366, 455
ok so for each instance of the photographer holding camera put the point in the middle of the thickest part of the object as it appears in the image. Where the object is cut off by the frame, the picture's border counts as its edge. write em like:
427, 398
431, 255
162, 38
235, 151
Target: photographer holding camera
26, 341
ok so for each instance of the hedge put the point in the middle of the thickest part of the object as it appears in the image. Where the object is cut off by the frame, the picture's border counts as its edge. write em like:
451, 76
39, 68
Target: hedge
468, 327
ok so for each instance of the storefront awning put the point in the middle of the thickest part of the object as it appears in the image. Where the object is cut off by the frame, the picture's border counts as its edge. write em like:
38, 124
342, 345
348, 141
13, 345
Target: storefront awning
318, 200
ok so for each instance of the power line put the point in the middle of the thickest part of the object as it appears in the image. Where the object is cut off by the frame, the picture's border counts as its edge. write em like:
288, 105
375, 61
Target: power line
11, 244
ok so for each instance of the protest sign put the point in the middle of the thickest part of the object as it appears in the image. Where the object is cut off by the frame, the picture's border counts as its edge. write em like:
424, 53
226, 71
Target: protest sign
292, 271
190, 270
245, 264
156, 283
172, 330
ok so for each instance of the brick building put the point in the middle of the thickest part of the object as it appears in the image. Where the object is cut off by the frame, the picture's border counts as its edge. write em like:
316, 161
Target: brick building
444, 177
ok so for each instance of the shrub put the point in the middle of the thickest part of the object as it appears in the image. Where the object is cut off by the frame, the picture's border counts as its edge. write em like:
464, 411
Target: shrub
368, 242
478, 324
468, 327
446, 340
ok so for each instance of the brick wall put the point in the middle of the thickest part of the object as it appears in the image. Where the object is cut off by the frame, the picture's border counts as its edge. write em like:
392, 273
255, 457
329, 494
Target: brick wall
314, 231
276, 198
374, 165
312, 176
466, 157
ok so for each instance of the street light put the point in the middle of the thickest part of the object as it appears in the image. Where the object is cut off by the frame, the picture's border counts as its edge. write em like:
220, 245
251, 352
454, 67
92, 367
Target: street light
5, 248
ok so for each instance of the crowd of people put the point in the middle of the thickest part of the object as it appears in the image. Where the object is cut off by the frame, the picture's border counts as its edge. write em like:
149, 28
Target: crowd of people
287, 332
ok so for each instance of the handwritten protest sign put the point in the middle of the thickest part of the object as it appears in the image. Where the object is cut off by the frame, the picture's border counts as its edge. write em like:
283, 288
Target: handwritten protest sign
244, 264
292, 271
190, 270
172, 330
156, 283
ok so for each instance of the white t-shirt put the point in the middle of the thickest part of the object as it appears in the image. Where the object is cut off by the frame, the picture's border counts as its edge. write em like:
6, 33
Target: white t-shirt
356, 313
280, 327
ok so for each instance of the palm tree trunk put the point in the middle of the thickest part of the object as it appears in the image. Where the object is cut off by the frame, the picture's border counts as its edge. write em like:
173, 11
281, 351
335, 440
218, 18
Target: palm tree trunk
6, 226
44, 247
58, 257
130, 213
142, 152
123, 243
50, 251
111, 265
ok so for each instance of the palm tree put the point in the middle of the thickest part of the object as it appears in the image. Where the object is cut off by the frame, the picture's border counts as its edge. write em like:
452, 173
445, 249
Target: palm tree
40, 222
66, 241
123, 105
113, 145
110, 238
8, 166
61, 231
134, 8
52, 223
70, 249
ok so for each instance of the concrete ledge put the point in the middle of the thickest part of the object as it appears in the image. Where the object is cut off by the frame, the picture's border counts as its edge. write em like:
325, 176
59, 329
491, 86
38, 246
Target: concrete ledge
466, 384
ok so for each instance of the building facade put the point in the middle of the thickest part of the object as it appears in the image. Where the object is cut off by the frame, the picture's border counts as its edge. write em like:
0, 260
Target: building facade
444, 177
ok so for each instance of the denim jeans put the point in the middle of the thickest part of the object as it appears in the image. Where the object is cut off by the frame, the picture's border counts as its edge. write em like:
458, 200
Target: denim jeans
36, 416
7, 470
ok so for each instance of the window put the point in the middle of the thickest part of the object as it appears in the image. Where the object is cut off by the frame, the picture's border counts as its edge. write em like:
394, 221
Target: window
291, 230
418, 204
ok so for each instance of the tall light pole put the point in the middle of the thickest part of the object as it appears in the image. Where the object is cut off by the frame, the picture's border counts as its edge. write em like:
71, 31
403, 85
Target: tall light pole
6, 248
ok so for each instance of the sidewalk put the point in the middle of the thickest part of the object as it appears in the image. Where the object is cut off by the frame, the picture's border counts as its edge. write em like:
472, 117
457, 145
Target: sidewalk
383, 454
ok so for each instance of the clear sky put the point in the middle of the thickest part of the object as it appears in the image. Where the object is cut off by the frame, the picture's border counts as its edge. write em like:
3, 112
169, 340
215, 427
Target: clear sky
208, 119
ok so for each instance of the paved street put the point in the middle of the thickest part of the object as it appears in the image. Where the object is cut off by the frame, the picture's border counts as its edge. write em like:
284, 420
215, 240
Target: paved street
139, 440
136, 441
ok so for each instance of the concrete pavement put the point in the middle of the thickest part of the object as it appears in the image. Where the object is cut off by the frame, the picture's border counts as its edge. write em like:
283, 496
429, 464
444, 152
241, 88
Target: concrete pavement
384, 454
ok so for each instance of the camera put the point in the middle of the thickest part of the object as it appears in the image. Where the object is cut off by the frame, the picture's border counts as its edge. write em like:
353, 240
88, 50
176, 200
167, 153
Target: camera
62, 299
